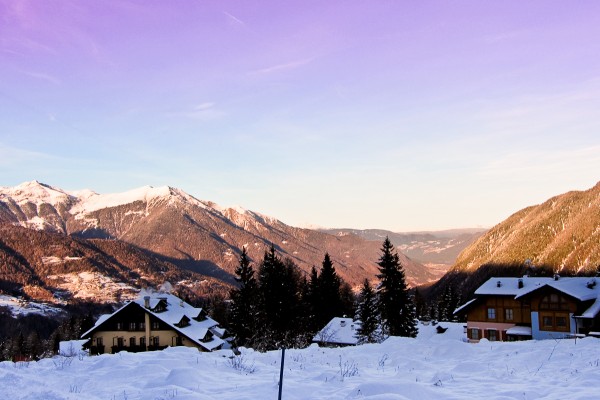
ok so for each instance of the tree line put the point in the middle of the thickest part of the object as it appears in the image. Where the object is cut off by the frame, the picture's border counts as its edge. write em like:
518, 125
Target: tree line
277, 306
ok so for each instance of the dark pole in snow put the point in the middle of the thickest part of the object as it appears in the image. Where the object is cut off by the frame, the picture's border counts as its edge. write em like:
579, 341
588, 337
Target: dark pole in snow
281, 372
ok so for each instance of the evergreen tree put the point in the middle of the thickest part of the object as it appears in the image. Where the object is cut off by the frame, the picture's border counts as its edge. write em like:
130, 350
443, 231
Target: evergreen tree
278, 289
328, 293
395, 305
368, 314
347, 299
421, 310
244, 301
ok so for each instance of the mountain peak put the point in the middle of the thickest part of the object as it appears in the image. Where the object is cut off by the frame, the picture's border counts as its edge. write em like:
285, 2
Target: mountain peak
35, 192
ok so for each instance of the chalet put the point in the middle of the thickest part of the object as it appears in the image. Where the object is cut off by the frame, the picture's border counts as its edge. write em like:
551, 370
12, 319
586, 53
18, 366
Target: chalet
508, 309
337, 333
153, 322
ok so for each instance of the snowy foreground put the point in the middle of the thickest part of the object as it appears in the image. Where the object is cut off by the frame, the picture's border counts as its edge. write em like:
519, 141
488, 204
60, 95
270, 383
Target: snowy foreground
431, 367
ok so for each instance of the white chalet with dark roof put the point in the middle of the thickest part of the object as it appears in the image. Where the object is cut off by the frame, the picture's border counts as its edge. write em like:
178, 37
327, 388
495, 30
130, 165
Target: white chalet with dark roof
153, 322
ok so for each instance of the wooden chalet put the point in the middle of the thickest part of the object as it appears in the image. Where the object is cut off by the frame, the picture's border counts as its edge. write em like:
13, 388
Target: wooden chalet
508, 309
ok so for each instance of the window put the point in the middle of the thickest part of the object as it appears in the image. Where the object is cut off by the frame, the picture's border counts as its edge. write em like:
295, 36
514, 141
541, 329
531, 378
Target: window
132, 341
143, 342
142, 326
474, 333
155, 340
120, 342
554, 302
132, 326
547, 321
561, 322
119, 326
492, 335
179, 341
491, 313
99, 341
155, 325
508, 314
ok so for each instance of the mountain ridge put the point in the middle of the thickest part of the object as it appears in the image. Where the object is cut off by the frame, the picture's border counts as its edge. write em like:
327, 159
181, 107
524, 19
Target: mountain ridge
196, 235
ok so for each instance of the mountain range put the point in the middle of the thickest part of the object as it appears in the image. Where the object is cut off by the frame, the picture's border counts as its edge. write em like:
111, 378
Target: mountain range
177, 230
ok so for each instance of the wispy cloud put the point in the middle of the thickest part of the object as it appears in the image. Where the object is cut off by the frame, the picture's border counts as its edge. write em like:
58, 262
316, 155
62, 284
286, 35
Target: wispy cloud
234, 19
42, 76
282, 67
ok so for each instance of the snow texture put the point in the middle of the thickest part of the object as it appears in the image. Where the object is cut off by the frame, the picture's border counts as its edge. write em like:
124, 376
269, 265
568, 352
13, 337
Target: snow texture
23, 307
338, 331
430, 367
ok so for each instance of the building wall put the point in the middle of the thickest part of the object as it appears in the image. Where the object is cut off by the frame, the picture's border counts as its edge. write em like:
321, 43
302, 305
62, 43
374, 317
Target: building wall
478, 317
565, 311
166, 338
484, 329
539, 334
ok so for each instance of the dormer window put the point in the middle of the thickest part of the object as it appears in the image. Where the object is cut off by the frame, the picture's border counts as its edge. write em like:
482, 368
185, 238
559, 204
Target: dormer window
185, 321
208, 337
202, 315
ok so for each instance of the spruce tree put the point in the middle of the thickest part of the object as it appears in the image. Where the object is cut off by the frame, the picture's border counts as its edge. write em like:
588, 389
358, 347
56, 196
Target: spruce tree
244, 307
395, 305
368, 314
278, 288
328, 289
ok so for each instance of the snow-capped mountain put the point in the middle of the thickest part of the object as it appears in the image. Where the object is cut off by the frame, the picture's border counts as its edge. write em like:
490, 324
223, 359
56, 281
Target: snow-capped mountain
195, 235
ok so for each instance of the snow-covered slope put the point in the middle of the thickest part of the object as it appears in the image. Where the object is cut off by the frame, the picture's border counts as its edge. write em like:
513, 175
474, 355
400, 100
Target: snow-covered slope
430, 367
194, 234
19, 307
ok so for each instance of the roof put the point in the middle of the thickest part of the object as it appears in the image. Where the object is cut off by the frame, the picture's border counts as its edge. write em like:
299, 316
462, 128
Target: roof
580, 288
592, 311
176, 310
464, 306
519, 331
338, 331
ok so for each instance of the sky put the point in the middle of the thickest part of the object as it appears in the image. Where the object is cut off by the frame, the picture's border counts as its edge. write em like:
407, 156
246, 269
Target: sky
398, 115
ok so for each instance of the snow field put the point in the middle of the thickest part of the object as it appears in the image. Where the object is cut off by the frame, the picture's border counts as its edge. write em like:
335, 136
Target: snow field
430, 367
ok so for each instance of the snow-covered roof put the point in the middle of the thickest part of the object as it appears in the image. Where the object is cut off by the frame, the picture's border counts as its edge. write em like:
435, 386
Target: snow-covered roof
176, 310
592, 311
338, 331
581, 288
467, 304
519, 331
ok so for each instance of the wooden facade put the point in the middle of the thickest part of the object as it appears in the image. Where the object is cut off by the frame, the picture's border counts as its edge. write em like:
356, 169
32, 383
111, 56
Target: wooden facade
538, 308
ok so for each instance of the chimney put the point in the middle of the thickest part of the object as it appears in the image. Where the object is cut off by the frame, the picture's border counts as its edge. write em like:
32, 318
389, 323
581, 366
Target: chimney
498, 284
556, 277
147, 301
342, 323
520, 283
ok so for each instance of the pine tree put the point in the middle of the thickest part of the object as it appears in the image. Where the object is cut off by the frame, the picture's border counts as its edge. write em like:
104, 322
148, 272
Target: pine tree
368, 314
420, 306
328, 293
279, 296
244, 306
395, 305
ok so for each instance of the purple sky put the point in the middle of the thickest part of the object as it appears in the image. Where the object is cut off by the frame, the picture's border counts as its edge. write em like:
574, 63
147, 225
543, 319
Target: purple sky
368, 114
